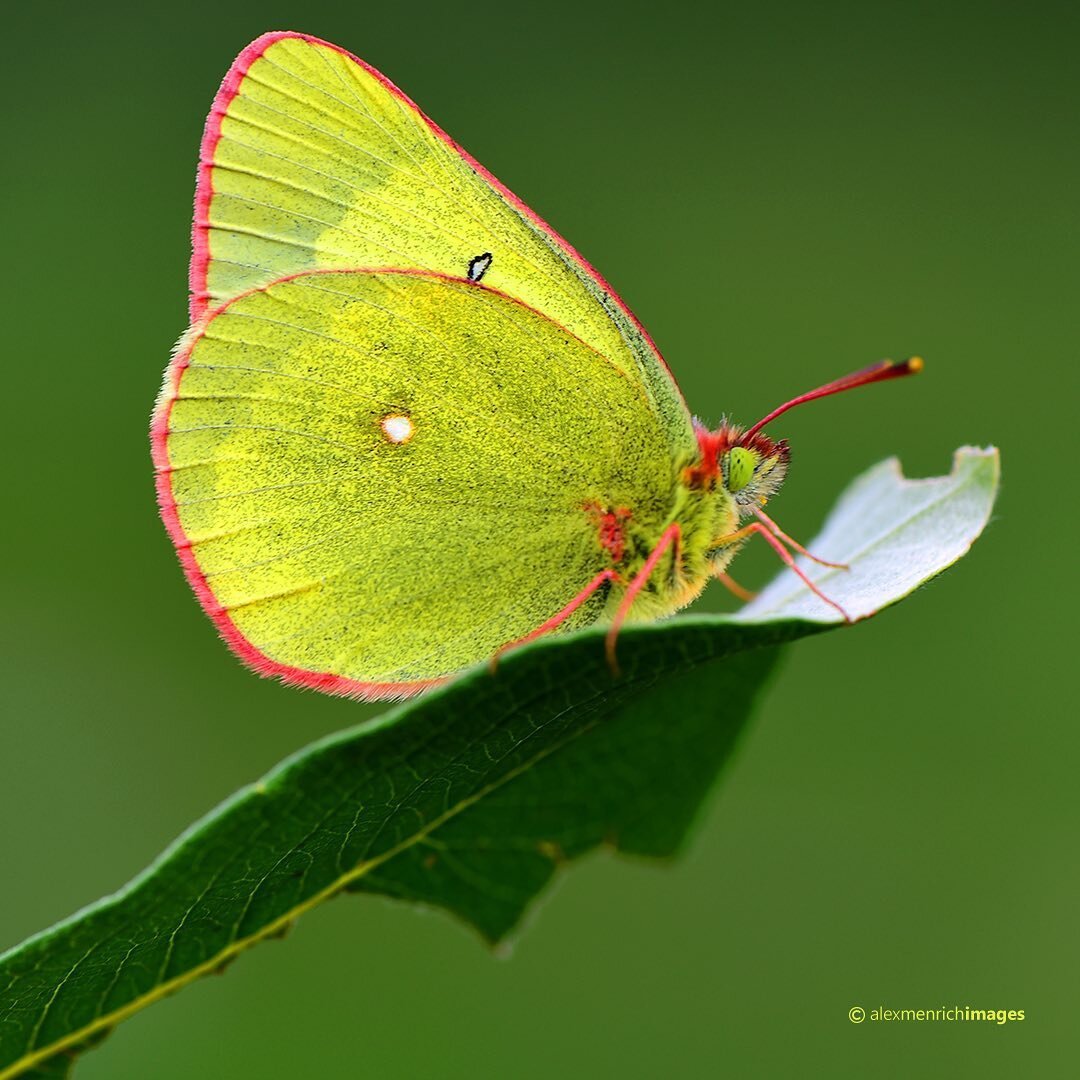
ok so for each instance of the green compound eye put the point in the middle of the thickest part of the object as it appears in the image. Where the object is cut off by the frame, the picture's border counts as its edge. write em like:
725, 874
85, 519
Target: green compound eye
740, 468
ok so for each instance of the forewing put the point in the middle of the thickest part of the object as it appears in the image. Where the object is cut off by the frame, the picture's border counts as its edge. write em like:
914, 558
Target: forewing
311, 159
339, 549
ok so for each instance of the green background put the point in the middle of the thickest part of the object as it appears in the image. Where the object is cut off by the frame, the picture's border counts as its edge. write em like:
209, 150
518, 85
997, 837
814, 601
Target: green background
782, 192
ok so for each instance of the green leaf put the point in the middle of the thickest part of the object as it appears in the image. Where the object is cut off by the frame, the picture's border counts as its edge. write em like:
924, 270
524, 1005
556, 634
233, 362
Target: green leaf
472, 797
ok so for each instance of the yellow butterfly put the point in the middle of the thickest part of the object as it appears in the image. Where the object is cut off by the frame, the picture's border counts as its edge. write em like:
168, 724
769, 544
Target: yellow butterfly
410, 425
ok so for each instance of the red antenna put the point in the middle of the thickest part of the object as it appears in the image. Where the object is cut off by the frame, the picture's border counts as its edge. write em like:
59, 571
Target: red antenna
879, 372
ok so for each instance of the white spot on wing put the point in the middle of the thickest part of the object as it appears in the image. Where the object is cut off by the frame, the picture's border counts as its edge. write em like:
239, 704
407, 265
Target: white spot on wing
397, 428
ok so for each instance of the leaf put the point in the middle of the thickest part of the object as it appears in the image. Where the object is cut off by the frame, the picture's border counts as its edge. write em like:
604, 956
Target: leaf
471, 797
891, 531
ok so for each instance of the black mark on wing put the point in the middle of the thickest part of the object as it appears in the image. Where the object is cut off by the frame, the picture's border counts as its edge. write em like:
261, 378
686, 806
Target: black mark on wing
478, 266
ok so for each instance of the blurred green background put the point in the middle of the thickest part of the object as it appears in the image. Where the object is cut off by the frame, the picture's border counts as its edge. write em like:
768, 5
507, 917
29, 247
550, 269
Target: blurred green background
782, 192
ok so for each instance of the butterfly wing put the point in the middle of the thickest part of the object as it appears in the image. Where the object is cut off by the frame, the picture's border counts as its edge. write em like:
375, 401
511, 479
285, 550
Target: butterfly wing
313, 160
376, 478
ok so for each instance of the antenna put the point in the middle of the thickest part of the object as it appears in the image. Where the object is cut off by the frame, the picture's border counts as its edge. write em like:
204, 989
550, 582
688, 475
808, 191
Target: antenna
879, 372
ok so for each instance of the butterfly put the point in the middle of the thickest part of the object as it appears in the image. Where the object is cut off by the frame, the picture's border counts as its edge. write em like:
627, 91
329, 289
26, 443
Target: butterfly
410, 426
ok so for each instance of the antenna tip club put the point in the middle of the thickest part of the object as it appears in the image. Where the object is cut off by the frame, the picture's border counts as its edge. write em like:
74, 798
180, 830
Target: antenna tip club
914, 365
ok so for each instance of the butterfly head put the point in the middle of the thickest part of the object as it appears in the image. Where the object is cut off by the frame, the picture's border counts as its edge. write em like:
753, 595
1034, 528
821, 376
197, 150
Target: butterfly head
750, 469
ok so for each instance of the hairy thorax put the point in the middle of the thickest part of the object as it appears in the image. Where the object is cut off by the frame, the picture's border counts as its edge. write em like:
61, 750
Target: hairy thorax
705, 516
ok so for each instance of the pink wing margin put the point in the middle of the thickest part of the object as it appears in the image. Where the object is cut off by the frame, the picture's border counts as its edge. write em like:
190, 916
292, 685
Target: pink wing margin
204, 188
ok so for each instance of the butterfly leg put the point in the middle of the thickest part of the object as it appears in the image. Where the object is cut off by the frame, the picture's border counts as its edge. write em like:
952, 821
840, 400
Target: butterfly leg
671, 535
795, 543
733, 587
785, 557
556, 619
